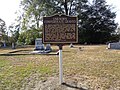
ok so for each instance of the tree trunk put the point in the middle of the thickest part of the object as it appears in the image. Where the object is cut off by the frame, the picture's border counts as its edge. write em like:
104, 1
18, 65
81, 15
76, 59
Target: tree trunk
65, 6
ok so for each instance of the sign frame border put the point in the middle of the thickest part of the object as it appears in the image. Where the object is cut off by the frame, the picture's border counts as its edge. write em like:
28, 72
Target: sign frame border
67, 42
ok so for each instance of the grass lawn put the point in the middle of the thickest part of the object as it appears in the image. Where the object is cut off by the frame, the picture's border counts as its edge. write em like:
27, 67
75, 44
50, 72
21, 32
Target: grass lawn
101, 66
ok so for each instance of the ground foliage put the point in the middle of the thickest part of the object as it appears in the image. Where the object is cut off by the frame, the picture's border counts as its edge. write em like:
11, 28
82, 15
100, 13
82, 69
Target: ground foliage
96, 20
92, 67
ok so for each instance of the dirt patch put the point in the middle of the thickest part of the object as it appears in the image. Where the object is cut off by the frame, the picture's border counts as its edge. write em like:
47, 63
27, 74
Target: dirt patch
51, 83
70, 83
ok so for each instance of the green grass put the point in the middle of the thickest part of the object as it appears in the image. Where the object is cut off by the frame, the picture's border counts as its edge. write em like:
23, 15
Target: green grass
13, 69
96, 62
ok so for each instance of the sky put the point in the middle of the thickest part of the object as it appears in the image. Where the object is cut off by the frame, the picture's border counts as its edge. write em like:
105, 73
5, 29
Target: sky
9, 7
116, 4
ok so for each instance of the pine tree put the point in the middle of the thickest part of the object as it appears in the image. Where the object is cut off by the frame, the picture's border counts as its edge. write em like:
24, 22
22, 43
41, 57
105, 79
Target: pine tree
2, 29
97, 23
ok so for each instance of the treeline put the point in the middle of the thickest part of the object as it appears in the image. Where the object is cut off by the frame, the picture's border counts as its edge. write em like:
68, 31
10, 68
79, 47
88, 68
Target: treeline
96, 20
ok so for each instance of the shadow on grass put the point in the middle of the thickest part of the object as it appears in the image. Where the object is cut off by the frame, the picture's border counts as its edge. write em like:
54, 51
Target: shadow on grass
18, 51
66, 51
56, 50
73, 87
9, 54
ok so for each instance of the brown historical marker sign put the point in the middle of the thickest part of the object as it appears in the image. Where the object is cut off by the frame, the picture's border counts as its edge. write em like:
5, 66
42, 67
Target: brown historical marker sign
60, 29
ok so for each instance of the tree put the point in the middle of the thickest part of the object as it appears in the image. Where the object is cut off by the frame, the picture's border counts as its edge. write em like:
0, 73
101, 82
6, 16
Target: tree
97, 23
118, 30
2, 26
29, 36
3, 33
2, 29
118, 33
14, 30
32, 13
34, 10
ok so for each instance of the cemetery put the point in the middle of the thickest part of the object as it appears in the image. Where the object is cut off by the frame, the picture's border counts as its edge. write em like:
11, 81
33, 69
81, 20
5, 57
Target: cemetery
57, 62
88, 68
59, 45
39, 47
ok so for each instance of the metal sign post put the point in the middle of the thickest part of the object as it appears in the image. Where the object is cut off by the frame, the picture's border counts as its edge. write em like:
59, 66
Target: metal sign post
60, 65
59, 30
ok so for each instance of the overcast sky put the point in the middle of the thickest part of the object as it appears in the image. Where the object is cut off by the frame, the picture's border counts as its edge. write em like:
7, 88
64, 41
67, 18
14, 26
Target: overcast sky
116, 4
9, 7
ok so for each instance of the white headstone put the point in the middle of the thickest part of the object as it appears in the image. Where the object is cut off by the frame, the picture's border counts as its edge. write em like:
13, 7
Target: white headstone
4, 44
38, 44
13, 46
114, 45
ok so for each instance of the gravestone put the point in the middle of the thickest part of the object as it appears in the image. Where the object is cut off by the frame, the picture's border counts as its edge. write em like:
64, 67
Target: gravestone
114, 45
13, 45
48, 47
39, 47
71, 45
38, 44
4, 44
